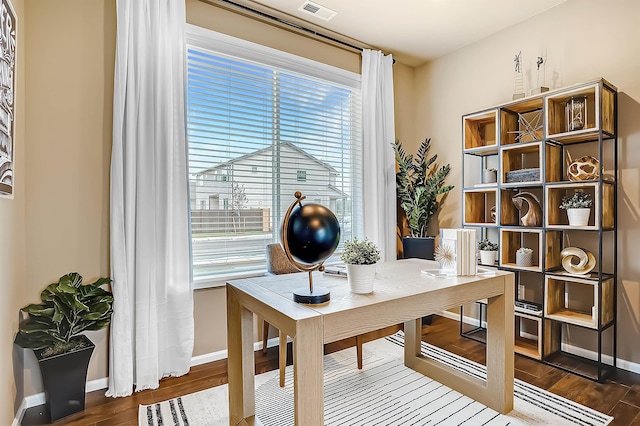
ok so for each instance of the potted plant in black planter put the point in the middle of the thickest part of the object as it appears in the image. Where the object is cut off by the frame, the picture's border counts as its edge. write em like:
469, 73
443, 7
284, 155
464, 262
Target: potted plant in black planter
421, 188
53, 329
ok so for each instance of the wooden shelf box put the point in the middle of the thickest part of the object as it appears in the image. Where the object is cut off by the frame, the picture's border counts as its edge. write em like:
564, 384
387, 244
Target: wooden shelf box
529, 157
598, 93
574, 300
557, 217
477, 206
528, 339
510, 122
480, 130
509, 214
512, 239
528, 335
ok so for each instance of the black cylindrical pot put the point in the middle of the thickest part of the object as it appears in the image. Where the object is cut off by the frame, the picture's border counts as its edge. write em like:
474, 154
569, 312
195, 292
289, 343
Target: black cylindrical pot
64, 378
421, 248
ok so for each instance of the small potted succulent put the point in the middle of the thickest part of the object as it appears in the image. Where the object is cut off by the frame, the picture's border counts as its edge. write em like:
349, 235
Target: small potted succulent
488, 252
524, 256
361, 257
489, 176
578, 208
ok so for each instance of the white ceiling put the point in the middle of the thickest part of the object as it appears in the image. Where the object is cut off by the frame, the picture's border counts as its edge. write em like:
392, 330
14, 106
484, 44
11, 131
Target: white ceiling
417, 31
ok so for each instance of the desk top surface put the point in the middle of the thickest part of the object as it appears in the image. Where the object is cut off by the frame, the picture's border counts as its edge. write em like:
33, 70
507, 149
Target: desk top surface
400, 279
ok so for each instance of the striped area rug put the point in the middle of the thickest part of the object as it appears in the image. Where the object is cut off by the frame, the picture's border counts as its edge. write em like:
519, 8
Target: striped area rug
385, 393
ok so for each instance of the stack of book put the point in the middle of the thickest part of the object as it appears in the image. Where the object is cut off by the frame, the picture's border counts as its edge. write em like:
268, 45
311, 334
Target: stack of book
461, 245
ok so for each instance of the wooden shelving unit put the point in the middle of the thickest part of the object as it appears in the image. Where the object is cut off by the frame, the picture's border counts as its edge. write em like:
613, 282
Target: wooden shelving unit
529, 142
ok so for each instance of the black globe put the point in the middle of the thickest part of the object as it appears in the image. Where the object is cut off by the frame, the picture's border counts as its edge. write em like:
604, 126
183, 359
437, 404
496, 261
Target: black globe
313, 233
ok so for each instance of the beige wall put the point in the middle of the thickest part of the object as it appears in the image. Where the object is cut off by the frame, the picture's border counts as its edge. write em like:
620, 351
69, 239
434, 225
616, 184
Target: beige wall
69, 70
583, 39
12, 248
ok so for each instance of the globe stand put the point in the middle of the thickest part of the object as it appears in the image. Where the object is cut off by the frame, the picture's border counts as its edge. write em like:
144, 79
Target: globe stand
311, 296
311, 254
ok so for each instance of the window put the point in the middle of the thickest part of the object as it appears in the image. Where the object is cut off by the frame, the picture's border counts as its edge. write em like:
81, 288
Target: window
269, 124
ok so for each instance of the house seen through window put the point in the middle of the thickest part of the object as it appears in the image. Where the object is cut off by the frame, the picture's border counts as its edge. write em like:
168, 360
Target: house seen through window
257, 132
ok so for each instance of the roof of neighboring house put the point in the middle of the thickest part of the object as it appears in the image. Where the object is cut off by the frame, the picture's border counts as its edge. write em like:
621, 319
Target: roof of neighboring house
262, 151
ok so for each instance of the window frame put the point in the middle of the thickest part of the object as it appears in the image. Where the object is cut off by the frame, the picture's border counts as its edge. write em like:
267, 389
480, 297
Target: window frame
208, 40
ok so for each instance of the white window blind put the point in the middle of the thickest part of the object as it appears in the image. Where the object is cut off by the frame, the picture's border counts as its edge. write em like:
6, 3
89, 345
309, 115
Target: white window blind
261, 125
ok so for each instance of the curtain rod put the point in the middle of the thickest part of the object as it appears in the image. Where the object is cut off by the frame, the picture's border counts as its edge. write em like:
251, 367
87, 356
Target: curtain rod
289, 24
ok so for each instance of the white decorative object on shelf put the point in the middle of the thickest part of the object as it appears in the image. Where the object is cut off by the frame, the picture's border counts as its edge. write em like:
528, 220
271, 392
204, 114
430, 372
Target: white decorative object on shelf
463, 243
586, 261
519, 80
489, 176
584, 168
578, 208
488, 252
488, 257
578, 217
524, 256
540, 87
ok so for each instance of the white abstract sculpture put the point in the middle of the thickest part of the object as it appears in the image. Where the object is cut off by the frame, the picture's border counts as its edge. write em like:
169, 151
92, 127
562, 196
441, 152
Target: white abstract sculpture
586, 260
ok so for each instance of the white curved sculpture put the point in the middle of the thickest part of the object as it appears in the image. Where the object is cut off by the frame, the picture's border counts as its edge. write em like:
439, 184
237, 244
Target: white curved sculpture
586, 260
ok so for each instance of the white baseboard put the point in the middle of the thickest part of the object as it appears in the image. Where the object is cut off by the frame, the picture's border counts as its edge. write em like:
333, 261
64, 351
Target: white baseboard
93, 385
622, 364
17, 420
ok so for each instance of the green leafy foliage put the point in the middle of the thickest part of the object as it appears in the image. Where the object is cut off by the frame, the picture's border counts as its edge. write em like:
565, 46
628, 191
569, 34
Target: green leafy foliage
579, 200
68, 309
362, 252
486, 245
524, 250
420, 185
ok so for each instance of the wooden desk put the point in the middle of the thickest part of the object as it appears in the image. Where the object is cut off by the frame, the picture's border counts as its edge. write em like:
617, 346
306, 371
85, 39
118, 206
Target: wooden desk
401, 294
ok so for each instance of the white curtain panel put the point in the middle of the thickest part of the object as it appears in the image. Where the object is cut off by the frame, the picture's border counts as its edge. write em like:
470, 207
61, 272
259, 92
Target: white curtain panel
379, 160
152, 325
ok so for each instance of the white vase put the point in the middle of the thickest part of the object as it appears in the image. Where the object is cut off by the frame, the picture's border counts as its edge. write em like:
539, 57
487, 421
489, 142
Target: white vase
489, 176
488, 257
361, 278
578, 217
524, 259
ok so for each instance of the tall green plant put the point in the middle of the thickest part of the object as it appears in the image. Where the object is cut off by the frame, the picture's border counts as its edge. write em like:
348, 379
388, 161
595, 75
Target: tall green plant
68, 309
420, 183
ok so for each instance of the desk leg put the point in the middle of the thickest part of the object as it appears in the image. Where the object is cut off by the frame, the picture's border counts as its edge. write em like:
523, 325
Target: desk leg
497, 391
500, 356
412, 339
308, 350
240, 361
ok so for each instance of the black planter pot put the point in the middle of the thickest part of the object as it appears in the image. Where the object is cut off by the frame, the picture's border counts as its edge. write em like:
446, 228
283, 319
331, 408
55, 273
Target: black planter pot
64, 378
421, 248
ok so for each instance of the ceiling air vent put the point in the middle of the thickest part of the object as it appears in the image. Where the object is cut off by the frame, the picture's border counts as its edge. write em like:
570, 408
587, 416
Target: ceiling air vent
317, 10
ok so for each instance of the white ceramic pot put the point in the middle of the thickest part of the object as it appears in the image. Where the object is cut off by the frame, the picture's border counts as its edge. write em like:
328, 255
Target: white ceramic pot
361, 278
488, 257
578, 217
524, 259
489, 176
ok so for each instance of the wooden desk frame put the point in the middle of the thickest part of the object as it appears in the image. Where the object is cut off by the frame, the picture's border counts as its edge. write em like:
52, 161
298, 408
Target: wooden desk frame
401, 295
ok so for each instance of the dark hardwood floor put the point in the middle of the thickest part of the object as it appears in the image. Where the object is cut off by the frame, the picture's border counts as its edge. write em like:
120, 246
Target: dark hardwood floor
619, 398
